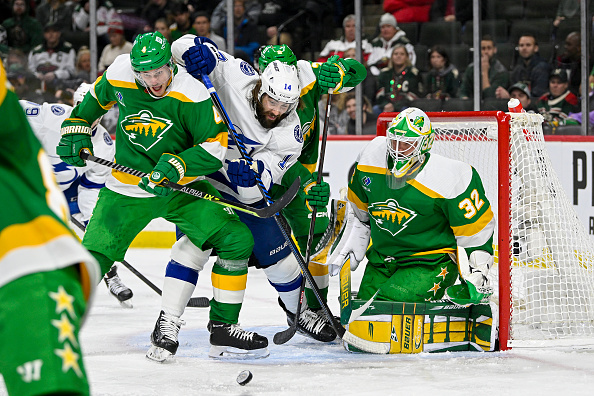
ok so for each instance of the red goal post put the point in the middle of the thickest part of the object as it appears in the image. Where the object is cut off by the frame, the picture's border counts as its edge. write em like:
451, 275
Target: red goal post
544, 260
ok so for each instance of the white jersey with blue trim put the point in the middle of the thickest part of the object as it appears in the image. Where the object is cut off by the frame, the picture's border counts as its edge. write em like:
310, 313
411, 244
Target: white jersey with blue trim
278, 148
46, 120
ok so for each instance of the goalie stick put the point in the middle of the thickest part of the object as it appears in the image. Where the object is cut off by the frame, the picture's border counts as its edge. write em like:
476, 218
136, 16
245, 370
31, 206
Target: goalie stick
195, 302
283, 336
342, 333
265, 212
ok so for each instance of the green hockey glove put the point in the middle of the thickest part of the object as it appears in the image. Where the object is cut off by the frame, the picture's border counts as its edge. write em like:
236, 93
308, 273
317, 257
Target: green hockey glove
332, 75
76, 137
317, 195
169, 167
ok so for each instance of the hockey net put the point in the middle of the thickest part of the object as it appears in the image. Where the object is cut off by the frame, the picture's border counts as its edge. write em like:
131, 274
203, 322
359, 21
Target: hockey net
544, 260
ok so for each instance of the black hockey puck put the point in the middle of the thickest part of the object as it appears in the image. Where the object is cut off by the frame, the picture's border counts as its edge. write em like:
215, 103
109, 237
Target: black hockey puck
244, 377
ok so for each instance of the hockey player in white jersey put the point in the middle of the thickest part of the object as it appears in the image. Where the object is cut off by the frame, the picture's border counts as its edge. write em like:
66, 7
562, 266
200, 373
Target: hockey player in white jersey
80, 185
262, 110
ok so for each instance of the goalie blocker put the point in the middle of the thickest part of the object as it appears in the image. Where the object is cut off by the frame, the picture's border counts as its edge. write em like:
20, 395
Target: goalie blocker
426, 327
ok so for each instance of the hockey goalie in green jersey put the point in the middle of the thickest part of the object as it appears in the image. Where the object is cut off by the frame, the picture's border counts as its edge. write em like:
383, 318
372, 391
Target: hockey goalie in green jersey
427, 217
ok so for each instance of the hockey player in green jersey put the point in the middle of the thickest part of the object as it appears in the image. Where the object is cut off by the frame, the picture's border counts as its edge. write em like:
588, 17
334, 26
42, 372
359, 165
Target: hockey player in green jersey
46, 276
167, 127
337, 75
419, 209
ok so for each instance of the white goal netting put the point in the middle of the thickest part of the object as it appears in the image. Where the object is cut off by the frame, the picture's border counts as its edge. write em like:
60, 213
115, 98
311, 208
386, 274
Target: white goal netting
550, 268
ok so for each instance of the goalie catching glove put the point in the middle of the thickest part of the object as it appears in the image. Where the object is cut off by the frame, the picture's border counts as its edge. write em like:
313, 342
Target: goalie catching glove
475, 288
353, 241
332, 75
200, 59
76, 137
169, 167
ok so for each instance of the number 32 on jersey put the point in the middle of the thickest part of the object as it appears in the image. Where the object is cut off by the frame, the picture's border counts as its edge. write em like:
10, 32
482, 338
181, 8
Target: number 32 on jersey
471, 205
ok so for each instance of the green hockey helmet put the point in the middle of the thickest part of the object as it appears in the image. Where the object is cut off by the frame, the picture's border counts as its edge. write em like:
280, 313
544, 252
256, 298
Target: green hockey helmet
149, 52
409, 137
276, 52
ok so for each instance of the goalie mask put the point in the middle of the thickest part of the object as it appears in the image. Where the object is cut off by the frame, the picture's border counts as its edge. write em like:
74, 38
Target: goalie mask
408, 137
152, 63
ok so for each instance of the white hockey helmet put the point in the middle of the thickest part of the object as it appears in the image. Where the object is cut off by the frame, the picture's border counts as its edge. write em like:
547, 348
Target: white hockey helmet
80, 93
281, 82
409, 137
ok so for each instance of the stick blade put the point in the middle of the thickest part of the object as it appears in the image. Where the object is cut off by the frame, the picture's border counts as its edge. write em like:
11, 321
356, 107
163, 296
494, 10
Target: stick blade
283, 336
199, 302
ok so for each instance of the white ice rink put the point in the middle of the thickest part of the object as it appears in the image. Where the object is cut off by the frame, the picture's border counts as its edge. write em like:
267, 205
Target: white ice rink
115, 341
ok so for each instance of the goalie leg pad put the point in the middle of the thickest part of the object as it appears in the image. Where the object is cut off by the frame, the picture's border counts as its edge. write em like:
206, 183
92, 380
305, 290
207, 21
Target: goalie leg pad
426, 327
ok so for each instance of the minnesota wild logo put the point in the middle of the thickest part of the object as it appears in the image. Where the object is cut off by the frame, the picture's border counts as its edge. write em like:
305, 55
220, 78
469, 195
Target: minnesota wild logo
419, 122
390, 216
144, 130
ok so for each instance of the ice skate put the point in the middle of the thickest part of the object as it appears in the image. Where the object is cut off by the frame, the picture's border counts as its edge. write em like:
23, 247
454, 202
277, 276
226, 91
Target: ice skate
311, 324
231, 341
117, 288
164, 337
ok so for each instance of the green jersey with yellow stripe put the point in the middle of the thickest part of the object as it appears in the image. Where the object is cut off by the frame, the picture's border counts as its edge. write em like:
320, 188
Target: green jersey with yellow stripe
183, 122
442, 207
33, 234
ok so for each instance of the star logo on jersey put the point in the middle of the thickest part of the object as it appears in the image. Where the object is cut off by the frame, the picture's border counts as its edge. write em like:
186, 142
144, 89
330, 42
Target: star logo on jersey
64, 301
443, 273
145, 130
65, 329
390, 216
69, 359
435, 288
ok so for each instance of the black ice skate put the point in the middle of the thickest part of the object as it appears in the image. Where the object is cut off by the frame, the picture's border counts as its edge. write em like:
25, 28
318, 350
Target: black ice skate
164, 337
311, 324
117, 288
231, 341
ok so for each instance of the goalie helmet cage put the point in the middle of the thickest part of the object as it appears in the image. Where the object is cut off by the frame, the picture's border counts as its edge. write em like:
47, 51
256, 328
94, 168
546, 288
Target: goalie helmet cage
544, 260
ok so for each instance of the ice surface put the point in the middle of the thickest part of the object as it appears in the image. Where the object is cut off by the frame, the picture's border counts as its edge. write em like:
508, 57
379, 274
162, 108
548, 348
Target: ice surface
115, 341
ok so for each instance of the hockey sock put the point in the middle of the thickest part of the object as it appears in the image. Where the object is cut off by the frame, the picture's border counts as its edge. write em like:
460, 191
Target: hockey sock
179, 284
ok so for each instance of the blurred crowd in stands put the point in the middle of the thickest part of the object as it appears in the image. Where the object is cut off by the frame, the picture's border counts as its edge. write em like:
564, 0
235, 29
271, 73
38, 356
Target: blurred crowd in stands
417, 52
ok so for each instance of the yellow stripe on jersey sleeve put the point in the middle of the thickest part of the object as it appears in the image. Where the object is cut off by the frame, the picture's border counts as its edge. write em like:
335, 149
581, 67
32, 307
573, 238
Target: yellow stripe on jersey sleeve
39, 231
476, 227
352, 197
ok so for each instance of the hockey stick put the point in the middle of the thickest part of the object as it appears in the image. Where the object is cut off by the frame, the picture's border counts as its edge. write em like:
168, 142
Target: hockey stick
197, 302
268, 211
342, 333
283, 336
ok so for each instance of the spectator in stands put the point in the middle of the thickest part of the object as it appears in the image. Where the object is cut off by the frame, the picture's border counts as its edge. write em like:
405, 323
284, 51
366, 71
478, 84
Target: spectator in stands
53, 60
399, 83
338, 117
274, 13
218, 19
58, 12
117, 46
556, 104
183, 24
443, 79
202, 27
409, 10
23, 81
156, 9
3, 44
382, 45
338, 47
493, 73
571, 61
162, 27
531, 70
24, 32
369, 119
245, 32
82, 68
521, 91
370, 83
105, 13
